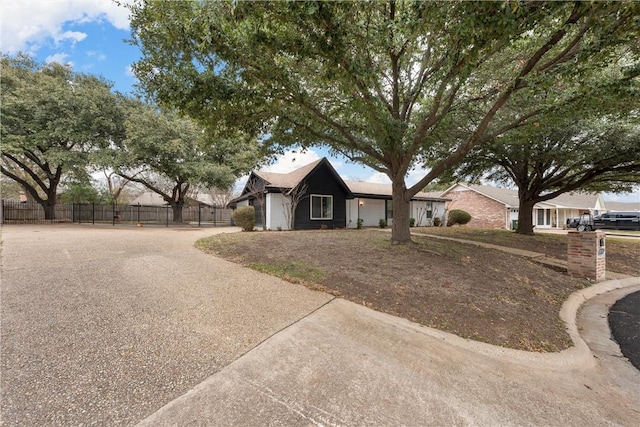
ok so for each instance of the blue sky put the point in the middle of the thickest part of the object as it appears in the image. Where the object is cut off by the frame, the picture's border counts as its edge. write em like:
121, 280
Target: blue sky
90, 36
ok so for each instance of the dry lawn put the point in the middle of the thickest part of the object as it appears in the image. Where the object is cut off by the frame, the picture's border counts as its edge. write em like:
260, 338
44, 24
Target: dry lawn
476, 293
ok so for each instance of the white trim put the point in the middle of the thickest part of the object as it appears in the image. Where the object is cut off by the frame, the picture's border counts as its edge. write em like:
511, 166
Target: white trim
311, 196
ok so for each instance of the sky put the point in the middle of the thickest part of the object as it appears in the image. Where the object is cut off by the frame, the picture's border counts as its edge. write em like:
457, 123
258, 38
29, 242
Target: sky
90, 35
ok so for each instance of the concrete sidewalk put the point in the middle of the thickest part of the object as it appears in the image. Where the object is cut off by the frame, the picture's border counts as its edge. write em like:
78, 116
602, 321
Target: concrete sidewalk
348, 365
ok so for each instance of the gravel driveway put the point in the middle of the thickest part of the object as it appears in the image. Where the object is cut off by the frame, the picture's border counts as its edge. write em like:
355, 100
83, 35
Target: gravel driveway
105, 325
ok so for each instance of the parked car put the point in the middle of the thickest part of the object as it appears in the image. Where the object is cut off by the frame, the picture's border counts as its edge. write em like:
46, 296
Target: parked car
618, 221
584, 223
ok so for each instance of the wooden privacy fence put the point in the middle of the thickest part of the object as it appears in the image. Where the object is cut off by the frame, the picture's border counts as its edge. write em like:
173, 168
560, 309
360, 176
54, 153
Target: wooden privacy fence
15, 212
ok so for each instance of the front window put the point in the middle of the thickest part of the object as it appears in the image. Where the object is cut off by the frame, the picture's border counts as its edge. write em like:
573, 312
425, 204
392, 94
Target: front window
389, 209
429, 210
321, 207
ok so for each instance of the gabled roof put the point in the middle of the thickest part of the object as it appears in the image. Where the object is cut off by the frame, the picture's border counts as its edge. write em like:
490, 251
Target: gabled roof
506, 196
623, 206
575, 200
291, 179
371, 189
149, 198
286, 181
509, 197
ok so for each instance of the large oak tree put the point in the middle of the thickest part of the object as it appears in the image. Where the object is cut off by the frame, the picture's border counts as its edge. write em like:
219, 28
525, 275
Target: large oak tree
562, 154
392, 85
52, 120
172, 155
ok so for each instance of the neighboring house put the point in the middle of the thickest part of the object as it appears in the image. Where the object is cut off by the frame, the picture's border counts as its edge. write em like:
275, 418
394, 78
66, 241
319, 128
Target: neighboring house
326, 200
492, 207
623, 207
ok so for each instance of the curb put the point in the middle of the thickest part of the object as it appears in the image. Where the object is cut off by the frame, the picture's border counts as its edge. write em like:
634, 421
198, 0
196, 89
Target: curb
573, 304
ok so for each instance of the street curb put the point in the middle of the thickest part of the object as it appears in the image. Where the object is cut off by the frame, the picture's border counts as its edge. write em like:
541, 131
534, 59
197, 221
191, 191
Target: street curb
573, 304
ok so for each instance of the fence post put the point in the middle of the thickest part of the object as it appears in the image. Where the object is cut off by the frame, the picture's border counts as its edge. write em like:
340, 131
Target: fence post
167, 215
199, 221
93, 213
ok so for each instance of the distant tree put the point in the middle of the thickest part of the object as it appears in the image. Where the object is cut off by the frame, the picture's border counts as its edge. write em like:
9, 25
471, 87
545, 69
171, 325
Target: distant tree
547, 159
220, 196
171, 155
389, 84
256, 187
10, 189
116, 185
82, 192
52, 119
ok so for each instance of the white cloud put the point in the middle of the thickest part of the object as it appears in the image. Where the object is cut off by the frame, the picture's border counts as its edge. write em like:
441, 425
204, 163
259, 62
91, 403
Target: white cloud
416, 174
28, 24
378, 178
292, 160
74, 36
60, 58
99, 56
623, 198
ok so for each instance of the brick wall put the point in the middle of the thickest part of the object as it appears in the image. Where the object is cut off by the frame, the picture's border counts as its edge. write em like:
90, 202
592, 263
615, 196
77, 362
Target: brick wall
586, 254
485, 212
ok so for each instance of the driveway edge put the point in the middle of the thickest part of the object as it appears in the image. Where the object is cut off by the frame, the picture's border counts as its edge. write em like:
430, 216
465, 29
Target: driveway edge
572, 306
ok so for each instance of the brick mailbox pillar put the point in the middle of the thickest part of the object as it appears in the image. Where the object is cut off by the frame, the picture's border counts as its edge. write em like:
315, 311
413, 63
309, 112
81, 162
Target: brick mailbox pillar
586, 254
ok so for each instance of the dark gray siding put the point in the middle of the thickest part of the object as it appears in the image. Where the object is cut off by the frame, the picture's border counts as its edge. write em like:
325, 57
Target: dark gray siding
322, 181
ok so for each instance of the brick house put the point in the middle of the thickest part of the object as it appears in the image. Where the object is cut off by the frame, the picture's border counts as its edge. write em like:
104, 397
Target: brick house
492, 207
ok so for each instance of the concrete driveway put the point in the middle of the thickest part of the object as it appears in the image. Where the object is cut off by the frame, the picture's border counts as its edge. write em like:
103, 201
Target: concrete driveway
105, 326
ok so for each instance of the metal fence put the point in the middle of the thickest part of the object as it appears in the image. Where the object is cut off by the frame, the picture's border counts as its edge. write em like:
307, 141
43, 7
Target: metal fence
15, 212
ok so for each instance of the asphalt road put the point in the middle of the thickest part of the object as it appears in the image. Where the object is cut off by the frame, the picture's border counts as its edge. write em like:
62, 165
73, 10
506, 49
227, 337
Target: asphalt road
624, 318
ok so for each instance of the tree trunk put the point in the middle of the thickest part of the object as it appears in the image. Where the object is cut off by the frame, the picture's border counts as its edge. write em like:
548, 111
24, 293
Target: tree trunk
177, 212
400, 231
525, 217
49, 207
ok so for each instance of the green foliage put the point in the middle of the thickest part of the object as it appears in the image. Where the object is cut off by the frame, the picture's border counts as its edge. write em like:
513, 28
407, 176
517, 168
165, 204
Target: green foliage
457, 216
382, 223
245, 217
82, 192
170, 154
392, 85
53, 119
412, 222
437, 222
561, 154
359, 223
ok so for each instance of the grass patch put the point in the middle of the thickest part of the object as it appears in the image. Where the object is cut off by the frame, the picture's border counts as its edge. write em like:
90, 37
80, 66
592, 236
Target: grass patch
295, 272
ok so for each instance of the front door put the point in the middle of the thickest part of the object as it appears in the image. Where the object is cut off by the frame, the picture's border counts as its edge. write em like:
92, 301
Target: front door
543, 217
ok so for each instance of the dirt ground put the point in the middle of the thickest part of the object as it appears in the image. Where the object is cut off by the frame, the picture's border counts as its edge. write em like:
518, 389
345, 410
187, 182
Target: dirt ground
623, 255
473, 292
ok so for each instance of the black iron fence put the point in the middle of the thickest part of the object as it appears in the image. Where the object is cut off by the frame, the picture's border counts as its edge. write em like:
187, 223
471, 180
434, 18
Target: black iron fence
15, 212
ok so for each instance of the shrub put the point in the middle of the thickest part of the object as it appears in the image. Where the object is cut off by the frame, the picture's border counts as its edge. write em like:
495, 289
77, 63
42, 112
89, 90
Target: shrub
382, 223
458, 216
245, 217
412, 222
437, 222
360, 221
